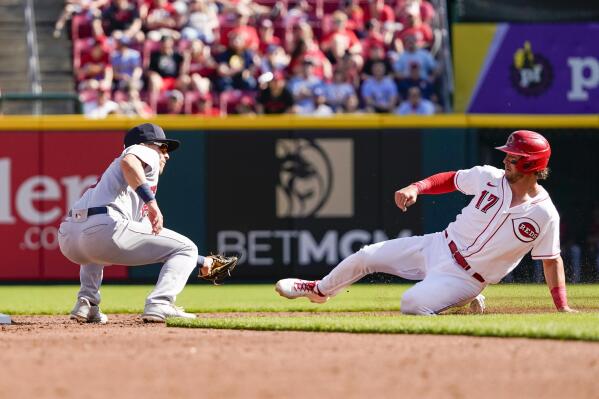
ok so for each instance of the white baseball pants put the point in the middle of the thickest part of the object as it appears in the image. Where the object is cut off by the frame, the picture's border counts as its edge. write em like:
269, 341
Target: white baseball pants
444, 283
111, 239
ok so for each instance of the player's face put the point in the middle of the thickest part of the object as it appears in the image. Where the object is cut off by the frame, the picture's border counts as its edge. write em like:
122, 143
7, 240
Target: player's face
162, 151
511, 173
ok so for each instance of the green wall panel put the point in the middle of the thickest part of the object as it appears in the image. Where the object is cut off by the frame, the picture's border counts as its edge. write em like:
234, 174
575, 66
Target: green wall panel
445, 150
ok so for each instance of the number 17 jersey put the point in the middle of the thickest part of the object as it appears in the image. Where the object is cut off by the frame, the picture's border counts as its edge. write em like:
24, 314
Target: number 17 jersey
494, 237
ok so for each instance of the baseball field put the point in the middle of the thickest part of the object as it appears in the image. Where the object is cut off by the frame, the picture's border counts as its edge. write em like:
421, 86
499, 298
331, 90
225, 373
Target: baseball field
249, 342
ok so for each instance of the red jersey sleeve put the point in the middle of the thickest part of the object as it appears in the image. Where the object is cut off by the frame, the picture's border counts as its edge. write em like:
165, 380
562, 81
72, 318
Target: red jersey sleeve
440, 183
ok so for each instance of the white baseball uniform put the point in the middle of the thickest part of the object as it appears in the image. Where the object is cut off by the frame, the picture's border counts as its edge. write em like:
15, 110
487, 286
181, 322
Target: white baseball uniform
123, 236
485, 242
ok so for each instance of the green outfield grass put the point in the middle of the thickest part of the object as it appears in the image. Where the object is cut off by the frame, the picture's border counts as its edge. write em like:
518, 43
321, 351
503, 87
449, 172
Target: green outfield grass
503, 301
518, 309
202, 298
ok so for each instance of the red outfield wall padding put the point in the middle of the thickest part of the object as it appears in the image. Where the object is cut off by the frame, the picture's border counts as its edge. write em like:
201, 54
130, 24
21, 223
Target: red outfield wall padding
41, 176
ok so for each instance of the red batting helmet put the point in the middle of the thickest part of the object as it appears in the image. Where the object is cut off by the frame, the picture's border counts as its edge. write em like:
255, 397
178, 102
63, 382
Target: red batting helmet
531, 146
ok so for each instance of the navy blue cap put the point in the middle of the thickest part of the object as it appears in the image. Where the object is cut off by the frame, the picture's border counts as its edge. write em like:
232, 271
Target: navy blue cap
147, 132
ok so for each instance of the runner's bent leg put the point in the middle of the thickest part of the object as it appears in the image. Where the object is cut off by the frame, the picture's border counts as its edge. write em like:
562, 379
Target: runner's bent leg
446, 284
437, 293
401, 257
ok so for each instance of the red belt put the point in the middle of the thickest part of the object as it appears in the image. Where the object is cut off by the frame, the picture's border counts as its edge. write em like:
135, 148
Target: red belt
460, 260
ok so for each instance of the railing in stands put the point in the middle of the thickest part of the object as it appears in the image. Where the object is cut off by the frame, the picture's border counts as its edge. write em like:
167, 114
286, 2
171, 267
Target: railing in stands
40, 97
34, 64
444, 54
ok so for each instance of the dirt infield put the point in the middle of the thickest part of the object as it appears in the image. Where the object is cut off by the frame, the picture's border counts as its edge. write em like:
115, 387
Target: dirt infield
51, 357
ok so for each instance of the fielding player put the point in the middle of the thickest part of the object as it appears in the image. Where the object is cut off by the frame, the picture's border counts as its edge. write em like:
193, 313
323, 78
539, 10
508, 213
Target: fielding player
118, 221
510, 215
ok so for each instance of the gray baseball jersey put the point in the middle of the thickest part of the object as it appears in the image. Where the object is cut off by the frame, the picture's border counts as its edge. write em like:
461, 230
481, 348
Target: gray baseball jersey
123, 236
112, 189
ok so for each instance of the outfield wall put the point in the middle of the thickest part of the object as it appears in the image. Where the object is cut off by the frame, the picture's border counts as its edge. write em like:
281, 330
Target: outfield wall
291, 195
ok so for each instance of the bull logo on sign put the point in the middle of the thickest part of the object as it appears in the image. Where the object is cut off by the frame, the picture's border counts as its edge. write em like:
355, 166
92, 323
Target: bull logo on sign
305, 177
315, 178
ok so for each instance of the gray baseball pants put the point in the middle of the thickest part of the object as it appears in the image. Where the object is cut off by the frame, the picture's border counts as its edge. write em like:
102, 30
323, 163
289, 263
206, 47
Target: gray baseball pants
109, 239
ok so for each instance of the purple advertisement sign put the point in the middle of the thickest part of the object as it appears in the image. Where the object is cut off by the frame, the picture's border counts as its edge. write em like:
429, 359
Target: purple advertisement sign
540, 69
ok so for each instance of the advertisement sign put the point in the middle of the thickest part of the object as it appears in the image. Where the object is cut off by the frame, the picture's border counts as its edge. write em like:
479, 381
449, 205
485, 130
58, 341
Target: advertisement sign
41, 176
526, 68
300, 202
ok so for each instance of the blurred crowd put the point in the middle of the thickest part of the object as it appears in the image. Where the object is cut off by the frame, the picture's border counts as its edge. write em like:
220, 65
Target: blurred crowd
217, 57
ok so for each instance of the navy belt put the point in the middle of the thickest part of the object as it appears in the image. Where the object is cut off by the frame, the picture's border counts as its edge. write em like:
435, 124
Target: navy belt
460, 260
98, 210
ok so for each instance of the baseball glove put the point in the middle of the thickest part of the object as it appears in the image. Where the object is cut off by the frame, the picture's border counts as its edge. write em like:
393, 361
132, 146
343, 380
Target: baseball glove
221, 268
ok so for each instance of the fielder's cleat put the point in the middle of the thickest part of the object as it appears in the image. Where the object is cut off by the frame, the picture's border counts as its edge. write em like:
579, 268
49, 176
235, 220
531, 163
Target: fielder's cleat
477, 306
292, 288
159, 312
85, 312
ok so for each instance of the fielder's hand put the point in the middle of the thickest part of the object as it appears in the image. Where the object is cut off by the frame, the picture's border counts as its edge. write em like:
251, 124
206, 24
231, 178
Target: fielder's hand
406, 197
155, 216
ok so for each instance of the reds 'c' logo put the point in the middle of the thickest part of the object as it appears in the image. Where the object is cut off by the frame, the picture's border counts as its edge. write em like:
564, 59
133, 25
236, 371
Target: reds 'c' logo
525, 229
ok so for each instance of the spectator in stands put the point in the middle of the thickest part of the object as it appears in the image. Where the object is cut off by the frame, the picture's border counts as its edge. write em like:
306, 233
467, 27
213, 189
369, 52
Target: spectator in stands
101, 106
202, 22
201, 67
376, 54
355, 14
236, 66
165, 71
378, 10
160, 18
298, 14
275, 60
121, 15
341, 41
132, 105
373, 37
415, 27
253, 9
274, 97
352, 106
403, 8
339, 92
350, 70
243, 29
203, 106
95, 70
88, 7
303, 87
245, 105
322, 109
267, 37
303, 47
379, 93
126, 64
174, 103
415, 79
415, 104
428, 67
